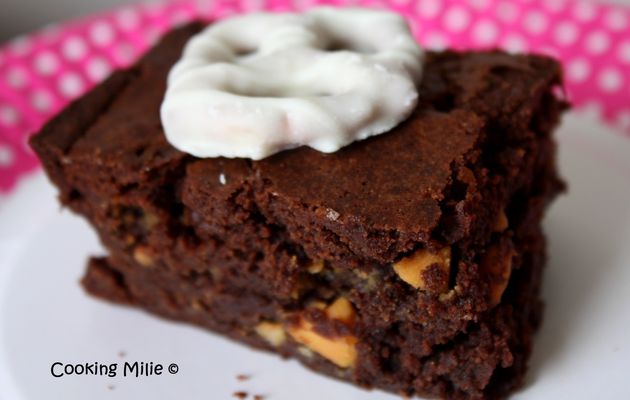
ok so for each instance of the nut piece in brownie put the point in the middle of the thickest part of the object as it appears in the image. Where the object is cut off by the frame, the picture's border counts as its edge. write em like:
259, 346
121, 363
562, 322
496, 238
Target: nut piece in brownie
409, 262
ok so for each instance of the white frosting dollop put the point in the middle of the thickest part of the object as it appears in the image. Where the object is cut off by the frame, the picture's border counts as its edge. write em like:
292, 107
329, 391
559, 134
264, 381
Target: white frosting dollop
257, 84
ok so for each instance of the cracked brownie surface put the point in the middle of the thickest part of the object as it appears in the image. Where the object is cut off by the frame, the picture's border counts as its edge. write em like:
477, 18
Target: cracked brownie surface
410, 261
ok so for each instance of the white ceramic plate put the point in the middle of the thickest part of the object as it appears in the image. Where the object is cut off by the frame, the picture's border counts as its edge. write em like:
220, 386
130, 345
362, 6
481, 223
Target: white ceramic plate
582, 351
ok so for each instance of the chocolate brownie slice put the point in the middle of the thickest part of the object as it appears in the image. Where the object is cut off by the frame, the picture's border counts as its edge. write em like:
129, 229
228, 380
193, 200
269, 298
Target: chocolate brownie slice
410, 261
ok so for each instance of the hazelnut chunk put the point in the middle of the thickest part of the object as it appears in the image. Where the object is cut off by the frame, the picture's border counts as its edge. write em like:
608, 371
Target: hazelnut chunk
320, 305
142, 256
501, 223
129, 239
496, 263
272, 332
150, 220
196, 305
410, 269
448, 296
342, 310
339, 350
316, 267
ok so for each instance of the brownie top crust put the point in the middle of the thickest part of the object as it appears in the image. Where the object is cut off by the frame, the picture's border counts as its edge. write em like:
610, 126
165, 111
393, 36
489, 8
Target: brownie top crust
391, 183
376, 199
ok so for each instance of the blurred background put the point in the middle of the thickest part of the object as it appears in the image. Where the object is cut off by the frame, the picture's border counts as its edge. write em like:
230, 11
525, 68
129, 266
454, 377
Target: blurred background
22, 16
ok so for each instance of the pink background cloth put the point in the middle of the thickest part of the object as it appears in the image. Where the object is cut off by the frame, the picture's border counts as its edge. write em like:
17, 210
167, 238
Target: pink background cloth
40, 73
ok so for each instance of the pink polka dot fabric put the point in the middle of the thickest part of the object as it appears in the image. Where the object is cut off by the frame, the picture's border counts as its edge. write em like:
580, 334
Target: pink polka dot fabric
41, 73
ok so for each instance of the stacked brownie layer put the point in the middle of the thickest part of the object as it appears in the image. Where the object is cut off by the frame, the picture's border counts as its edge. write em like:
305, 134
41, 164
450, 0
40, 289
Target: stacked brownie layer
410, 261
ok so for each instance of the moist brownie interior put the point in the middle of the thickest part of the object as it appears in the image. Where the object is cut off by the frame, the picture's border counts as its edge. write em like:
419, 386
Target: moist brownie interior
409, 262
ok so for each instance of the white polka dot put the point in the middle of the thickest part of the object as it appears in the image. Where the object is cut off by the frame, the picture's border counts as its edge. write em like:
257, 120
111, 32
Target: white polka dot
16, 78
152, 35
514, 44
204, 8
507, 11
624, 52
436, 41
584, 10
298, 4
127, 18
597, 42
257, 5
610, 80
485, 32
428, 8
71, 85
50, 32
98, 69
41, 101
8, 115
549, 51
46, 63
479, 4
616, 20
74, 48
456, 19
102, 34
535, 22
578, 70
382, 4
124, 53
6, 156
414, 26
224, 12
565, 33
20, 45
180, 18
554, 5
